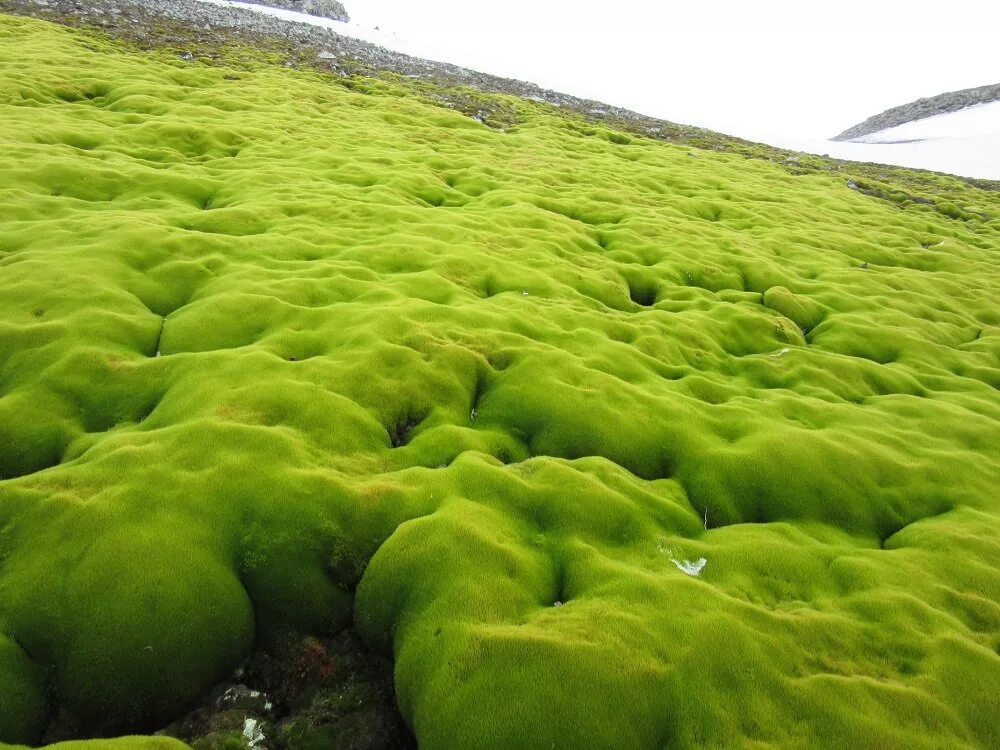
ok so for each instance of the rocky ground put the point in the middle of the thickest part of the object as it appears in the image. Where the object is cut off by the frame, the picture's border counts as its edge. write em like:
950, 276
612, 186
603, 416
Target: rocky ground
302, 694
203, 26
310, 693
951, 101
323, 8
149, 23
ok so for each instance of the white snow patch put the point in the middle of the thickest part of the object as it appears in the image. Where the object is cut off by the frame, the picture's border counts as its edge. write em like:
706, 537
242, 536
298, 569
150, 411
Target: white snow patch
691, 568
253, 733
366, 32
965, 142
972, 122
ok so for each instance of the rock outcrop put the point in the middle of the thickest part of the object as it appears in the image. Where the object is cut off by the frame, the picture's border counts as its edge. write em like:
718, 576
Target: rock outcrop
951, 101
323, 8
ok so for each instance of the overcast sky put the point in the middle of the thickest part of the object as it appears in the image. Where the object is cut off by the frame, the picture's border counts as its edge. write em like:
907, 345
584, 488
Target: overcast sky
765, 69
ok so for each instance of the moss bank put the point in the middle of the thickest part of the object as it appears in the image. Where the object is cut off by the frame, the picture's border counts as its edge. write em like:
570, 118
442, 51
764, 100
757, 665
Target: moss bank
278, 351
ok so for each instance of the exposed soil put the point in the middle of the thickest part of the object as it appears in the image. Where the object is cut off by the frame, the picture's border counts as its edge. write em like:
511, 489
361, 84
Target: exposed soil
310, 693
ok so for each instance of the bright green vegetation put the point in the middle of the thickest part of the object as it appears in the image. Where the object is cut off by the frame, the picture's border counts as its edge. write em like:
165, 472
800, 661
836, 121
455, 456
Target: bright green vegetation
278, 351
121, 743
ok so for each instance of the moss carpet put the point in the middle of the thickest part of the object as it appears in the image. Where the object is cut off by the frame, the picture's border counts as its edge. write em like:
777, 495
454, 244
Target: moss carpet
609, 442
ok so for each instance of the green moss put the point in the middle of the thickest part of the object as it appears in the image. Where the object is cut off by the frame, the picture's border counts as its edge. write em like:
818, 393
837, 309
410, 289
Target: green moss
21, 694
120, 743
277, 352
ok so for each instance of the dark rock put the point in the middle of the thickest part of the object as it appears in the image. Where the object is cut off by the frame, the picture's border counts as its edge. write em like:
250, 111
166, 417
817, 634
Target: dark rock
242, 698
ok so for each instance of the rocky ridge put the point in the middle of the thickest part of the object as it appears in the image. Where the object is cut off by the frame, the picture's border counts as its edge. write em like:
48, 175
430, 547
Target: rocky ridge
323, 8
951, 101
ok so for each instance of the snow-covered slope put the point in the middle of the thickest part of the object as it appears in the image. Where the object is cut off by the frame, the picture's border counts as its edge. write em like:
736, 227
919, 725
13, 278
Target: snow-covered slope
972, 122
931, 106
966, 142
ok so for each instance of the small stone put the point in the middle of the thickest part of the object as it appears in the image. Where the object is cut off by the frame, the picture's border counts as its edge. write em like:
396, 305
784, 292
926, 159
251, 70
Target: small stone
242, 698
252, 732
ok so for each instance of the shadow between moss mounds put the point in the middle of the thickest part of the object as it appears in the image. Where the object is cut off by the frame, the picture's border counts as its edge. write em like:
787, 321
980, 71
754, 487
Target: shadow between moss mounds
306, 693
321, 419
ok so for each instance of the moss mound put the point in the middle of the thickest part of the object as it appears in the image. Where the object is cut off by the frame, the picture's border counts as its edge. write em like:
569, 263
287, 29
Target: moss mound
119, 743
607, 445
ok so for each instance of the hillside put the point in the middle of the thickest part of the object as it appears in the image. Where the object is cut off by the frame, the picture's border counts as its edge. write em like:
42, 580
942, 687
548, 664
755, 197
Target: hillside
605, 441
951, 101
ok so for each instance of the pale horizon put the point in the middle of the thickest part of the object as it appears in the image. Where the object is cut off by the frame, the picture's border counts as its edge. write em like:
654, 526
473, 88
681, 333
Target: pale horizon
765, 71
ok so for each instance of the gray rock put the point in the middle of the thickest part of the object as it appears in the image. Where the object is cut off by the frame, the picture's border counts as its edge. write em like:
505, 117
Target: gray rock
951, 101
323, 8
244, 699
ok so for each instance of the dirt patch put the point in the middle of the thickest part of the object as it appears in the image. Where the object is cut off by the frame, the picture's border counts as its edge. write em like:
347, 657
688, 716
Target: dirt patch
310, 693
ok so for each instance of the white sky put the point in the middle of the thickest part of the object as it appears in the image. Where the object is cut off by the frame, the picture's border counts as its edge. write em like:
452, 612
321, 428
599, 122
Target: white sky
757, 68
792, 74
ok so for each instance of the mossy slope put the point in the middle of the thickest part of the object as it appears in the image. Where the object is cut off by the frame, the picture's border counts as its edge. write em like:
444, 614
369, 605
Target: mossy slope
276, 352
118, 743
